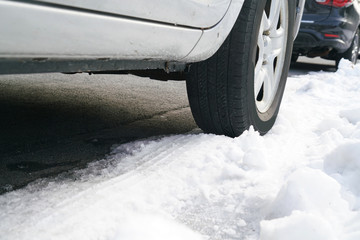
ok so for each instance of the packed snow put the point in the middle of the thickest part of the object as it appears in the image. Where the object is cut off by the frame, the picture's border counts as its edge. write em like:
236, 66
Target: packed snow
300, 181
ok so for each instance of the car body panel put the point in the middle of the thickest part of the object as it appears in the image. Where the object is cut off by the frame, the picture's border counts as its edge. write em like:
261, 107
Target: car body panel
64, 33
195, 13
34, 32
212, 39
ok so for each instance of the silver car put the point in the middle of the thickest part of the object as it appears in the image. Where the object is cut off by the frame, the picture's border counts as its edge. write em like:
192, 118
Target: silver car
233, 54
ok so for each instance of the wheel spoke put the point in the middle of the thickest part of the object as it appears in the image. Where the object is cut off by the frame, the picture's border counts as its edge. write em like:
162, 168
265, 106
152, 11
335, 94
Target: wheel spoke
278, 33
269, 82
274, 13
265, 23
274, 53
260, 54
278, 44
259, 80
258, 67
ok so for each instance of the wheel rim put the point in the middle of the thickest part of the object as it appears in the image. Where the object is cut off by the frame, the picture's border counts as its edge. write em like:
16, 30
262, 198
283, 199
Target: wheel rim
355, 50
270, 55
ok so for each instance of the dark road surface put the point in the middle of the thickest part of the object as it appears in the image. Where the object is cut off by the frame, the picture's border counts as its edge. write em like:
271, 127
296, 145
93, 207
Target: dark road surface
50, 123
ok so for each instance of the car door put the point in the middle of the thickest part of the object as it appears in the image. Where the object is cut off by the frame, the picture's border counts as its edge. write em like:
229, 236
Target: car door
194, 13
85, 30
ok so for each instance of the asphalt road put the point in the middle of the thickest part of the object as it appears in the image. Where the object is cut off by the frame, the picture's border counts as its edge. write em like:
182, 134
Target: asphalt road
51, 123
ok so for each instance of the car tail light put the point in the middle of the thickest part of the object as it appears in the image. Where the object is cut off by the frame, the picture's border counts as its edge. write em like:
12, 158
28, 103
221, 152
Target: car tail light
335, 3
331, 35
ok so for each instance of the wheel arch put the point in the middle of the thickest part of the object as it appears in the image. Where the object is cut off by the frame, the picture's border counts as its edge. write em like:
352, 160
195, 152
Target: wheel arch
212, 38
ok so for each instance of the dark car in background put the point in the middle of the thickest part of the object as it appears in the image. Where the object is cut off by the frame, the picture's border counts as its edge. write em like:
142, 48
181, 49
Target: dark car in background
329, 29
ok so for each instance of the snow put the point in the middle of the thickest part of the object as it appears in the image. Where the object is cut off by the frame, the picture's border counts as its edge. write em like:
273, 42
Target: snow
300, 181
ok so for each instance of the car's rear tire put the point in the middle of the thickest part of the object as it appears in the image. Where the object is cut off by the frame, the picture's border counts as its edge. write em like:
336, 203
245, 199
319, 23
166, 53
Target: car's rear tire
243, 83
352, 53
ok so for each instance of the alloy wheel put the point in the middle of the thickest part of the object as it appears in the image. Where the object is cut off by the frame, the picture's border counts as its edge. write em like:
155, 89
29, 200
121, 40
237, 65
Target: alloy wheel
271, 50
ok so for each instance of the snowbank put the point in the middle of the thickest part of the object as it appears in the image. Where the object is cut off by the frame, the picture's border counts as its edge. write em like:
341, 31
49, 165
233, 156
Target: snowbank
300, 181
321, 199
